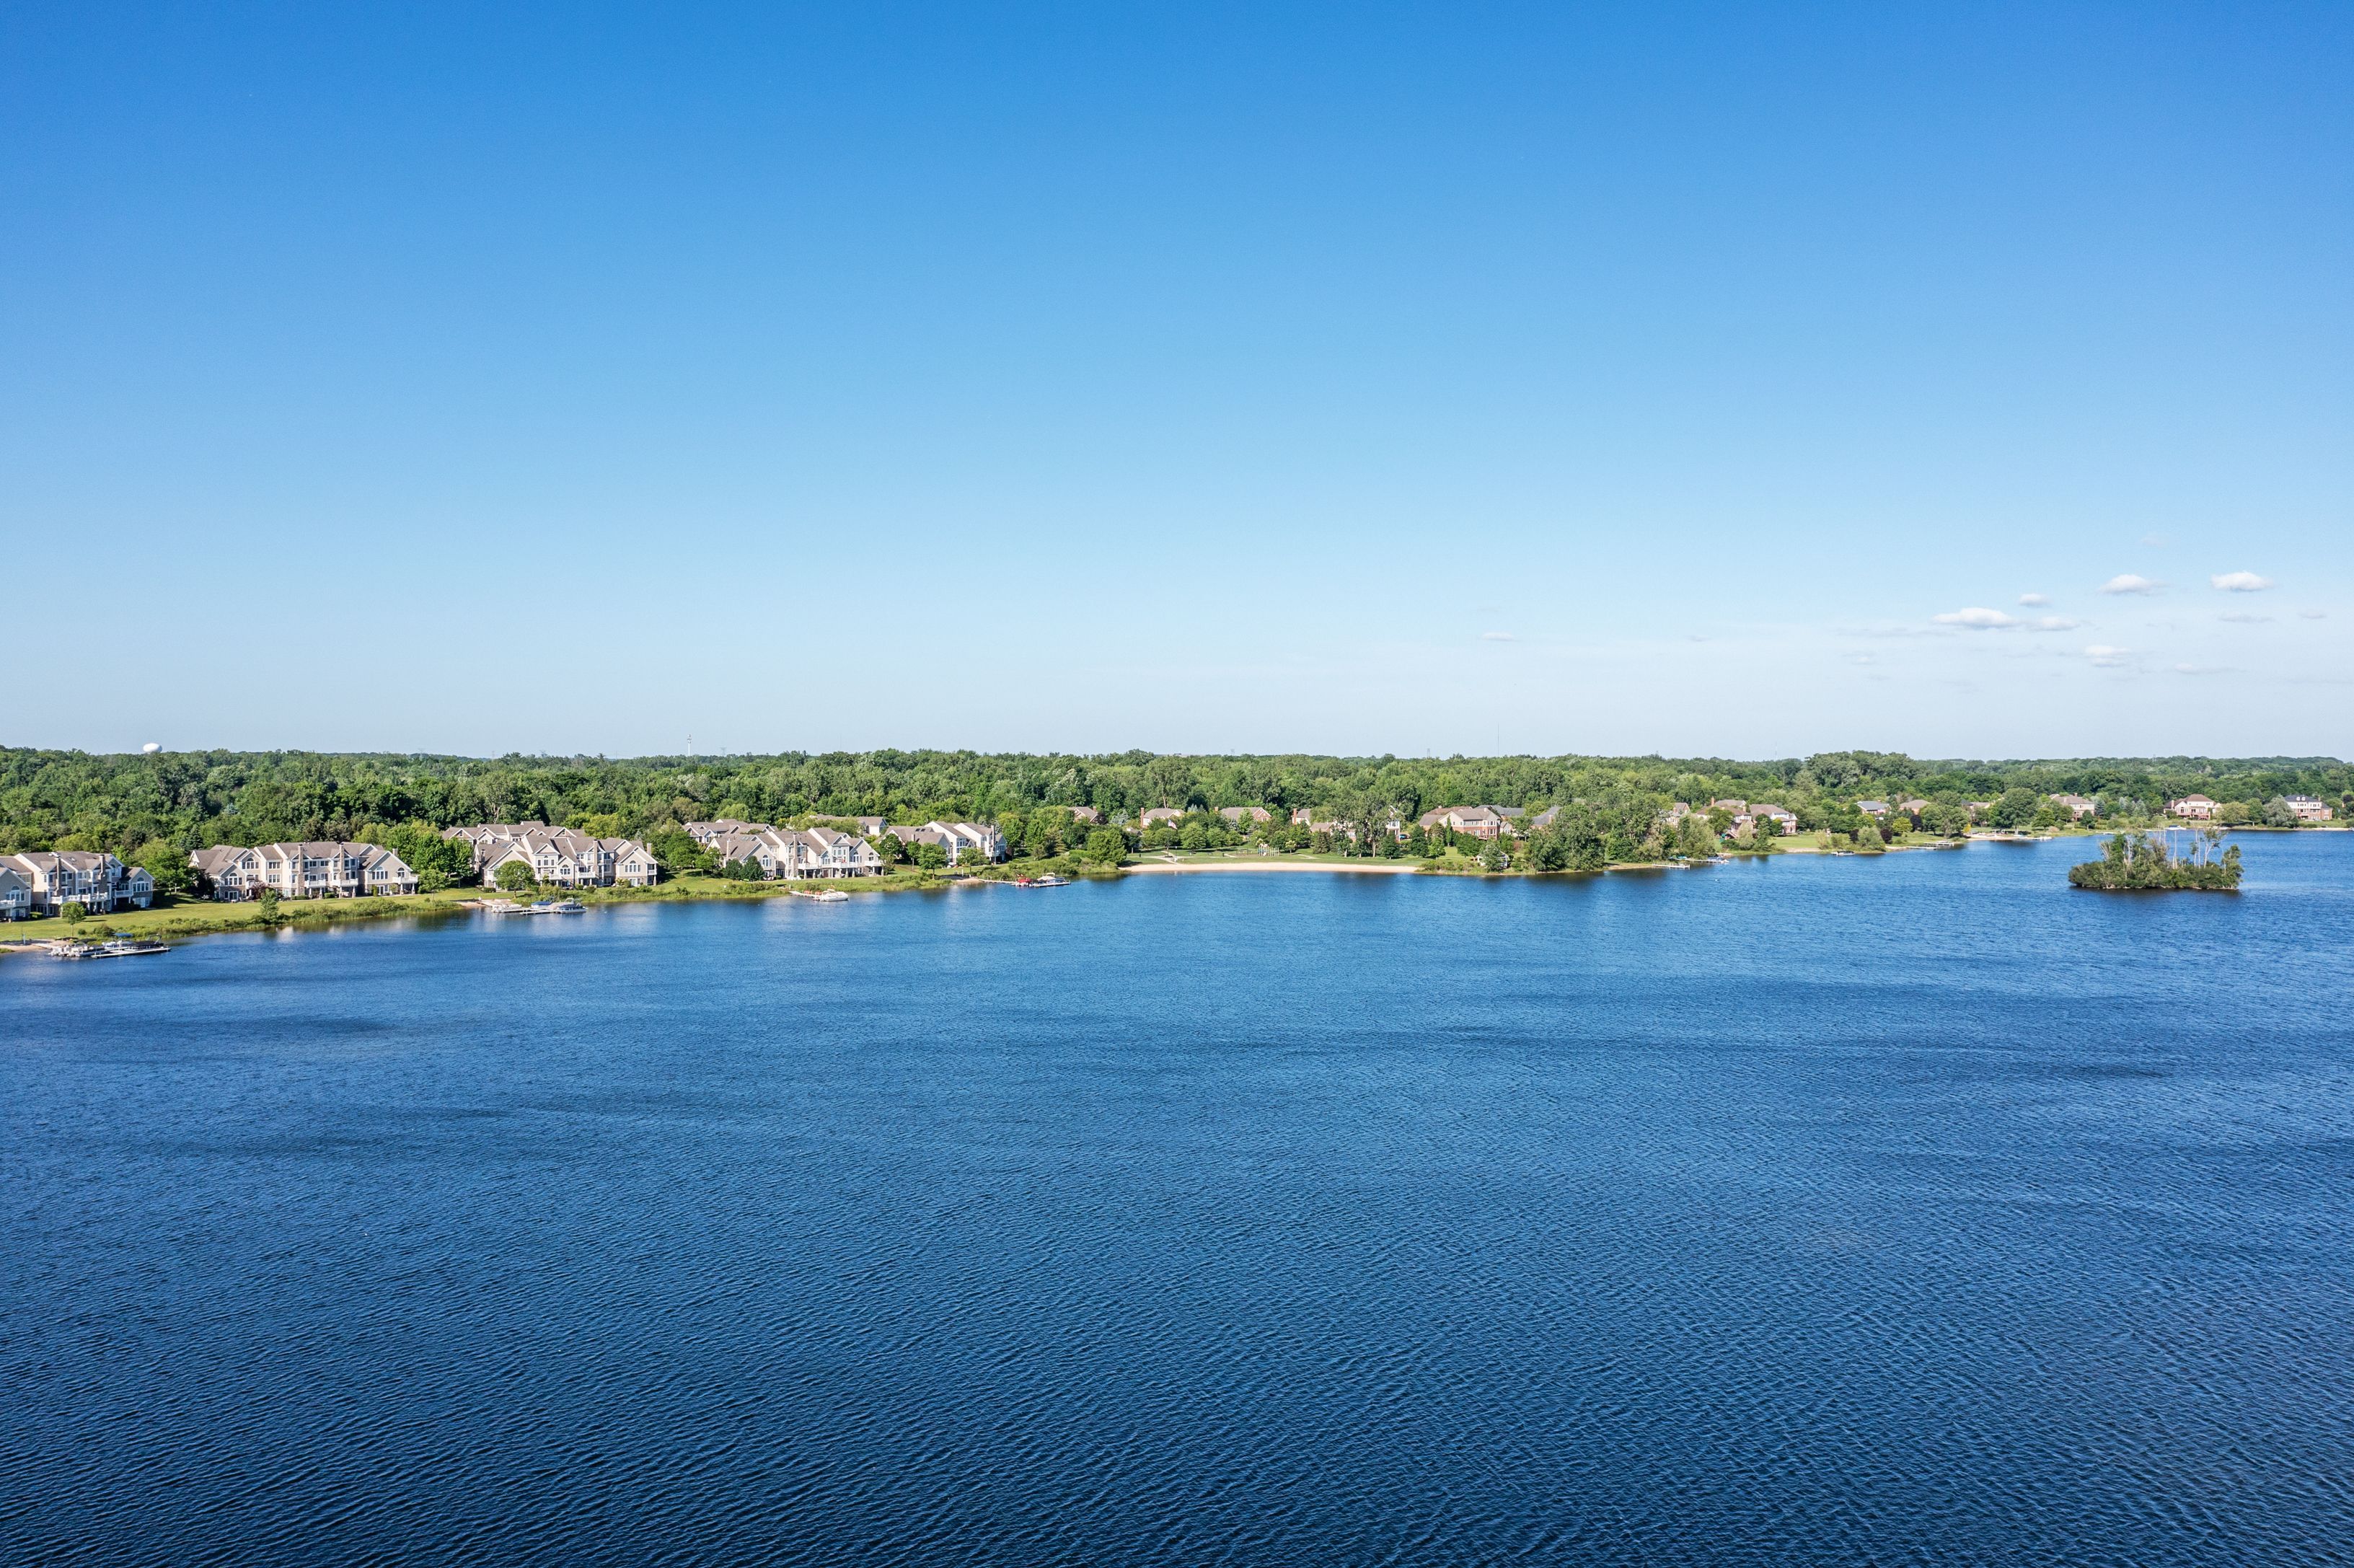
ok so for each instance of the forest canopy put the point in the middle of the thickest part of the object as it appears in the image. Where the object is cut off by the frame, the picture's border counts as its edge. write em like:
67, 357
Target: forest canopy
149, 806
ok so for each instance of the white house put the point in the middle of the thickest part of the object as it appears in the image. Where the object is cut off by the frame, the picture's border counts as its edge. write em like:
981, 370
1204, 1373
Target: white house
1784, 821
2197, 807
2078, 806
2310, 810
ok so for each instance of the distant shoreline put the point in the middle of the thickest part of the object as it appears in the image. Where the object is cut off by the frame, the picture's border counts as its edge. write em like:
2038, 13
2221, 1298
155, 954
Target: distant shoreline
1373, 867
185, 918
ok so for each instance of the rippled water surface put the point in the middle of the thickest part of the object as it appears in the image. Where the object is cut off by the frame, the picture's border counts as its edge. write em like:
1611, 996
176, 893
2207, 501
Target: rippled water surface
1824, 1210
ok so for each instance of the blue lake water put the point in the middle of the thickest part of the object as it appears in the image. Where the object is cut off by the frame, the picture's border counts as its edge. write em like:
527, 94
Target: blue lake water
1916, 1210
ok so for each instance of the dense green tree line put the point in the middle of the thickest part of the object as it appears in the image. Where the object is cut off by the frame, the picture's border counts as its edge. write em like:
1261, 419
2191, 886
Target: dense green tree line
155, 808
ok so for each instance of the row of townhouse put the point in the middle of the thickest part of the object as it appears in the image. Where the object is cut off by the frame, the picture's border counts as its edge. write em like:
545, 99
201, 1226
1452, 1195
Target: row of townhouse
824, 851
959, 839
43, 882
317, 869
788, 853
557, 857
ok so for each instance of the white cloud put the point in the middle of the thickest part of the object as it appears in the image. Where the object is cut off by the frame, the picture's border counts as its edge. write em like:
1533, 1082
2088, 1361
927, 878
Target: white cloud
2198, 669
2129, 582
2035, 600
2242, 618
2105, 657
2056, 623
1859, 658
2313, 615
1496, 637
2156, 541
1978, 618
2240, 582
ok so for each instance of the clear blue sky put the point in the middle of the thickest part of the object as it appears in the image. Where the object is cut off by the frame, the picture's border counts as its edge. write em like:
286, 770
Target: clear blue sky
1335, 378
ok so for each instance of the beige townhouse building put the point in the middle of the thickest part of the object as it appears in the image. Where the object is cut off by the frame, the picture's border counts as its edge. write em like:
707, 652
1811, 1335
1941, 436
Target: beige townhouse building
796, 853
91, 878
316, 869
558, 857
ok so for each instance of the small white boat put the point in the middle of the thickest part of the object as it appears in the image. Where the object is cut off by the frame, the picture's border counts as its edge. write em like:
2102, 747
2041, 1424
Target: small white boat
831, 896
501, 907
557, 906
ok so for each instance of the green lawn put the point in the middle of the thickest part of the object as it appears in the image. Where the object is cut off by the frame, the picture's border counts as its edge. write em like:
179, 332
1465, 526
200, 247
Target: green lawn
189, 916
181, 916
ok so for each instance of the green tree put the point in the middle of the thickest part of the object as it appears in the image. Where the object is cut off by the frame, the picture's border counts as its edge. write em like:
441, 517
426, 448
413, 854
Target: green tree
2014, 807
1194, 837
1694, 839
932, 856
270, 903
166, 864
676, 851
73, 913
515, 878
1042, 838
1107, 846
1494, 857
439, 863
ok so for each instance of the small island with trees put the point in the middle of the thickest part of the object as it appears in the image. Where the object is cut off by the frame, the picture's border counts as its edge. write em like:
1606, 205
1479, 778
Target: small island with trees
2147, 862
